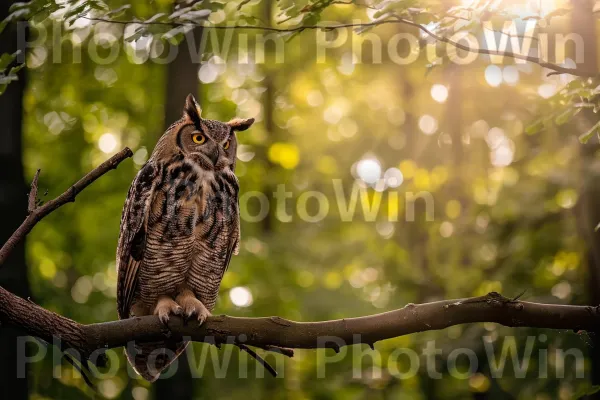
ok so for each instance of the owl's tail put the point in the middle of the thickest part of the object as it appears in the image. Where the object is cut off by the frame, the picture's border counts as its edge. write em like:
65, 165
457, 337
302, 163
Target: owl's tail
149, 359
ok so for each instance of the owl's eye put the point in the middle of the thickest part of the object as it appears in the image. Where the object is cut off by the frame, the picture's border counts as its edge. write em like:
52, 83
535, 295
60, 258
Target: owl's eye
226, 145
198, 138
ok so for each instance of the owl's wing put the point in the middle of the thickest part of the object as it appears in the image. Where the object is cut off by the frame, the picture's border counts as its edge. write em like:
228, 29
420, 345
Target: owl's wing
234, 240
132, 237
234, 247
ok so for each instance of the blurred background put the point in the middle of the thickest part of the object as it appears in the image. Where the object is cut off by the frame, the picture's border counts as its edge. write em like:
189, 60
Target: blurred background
508, 194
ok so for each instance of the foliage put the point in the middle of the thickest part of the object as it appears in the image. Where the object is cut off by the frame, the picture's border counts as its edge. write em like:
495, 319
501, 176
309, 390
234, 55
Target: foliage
442, 20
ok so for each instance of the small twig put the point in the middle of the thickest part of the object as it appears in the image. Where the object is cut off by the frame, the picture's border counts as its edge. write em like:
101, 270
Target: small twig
82, 369
32, 204
558, 70
281, 350
519, 296
38, 213
258, 358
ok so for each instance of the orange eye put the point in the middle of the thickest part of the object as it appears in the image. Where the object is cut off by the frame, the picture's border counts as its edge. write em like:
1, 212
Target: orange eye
226, 145
198, 138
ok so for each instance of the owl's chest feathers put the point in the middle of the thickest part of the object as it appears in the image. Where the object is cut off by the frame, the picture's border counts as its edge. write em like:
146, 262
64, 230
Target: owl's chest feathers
192, 226
192, 201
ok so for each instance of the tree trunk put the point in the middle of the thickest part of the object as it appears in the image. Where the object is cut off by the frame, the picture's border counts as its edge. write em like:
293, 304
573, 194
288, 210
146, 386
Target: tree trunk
182, 79
588, 211
13, 203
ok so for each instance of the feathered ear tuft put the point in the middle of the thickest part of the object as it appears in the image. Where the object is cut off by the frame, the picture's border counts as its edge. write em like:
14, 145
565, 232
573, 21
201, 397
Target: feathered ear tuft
192, 110
239, 124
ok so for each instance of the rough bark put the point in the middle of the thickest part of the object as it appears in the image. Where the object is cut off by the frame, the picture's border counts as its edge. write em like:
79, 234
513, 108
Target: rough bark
584, 24
275, 332
13, 191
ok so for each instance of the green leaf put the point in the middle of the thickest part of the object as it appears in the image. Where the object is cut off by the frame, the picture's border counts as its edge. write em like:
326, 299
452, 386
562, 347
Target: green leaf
15, 70
242, 4
155, 17
199, 5
176, 35
425, 18
588, 135
584, 105
535, 127
398, 6
566, 116
20, 6
77, 11
118, 11
195, 15
138, 33
249, 19
5, 80
179, 13
97, 5
6, 59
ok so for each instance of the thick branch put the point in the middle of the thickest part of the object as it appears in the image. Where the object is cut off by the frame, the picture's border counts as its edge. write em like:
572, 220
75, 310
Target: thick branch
274, 331
36, 214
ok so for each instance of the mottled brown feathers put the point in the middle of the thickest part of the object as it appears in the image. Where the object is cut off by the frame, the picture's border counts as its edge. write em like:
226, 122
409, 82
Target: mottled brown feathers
179, 228
239, 124
192, 110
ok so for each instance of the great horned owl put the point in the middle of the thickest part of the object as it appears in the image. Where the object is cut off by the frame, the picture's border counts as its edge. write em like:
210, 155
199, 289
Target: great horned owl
179, 227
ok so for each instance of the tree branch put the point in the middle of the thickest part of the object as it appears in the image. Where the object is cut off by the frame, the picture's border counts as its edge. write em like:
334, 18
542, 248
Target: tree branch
90, 340
37, 213
557, 69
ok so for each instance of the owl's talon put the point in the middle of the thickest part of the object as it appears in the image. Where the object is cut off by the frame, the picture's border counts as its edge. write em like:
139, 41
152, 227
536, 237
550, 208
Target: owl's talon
192, 306
164, 318
202, 316
166, 306
200, 312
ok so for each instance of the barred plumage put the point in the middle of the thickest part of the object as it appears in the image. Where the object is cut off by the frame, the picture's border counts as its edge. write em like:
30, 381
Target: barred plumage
179, 229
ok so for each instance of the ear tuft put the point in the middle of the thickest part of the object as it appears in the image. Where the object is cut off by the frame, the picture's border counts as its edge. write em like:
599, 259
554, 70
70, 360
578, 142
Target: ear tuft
192, 109
240, 124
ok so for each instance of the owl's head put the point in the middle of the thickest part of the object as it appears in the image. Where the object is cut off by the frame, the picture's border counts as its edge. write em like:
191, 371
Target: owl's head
211, 144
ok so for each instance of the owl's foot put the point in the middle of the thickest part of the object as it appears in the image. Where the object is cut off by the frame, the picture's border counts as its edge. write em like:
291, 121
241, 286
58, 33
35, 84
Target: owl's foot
192, 306
166, 306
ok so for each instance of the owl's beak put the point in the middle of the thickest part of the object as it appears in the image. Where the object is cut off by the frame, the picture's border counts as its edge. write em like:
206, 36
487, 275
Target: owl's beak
214, 156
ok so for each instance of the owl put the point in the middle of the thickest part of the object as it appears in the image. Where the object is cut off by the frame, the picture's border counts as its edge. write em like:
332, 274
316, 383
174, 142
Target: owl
179, 228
